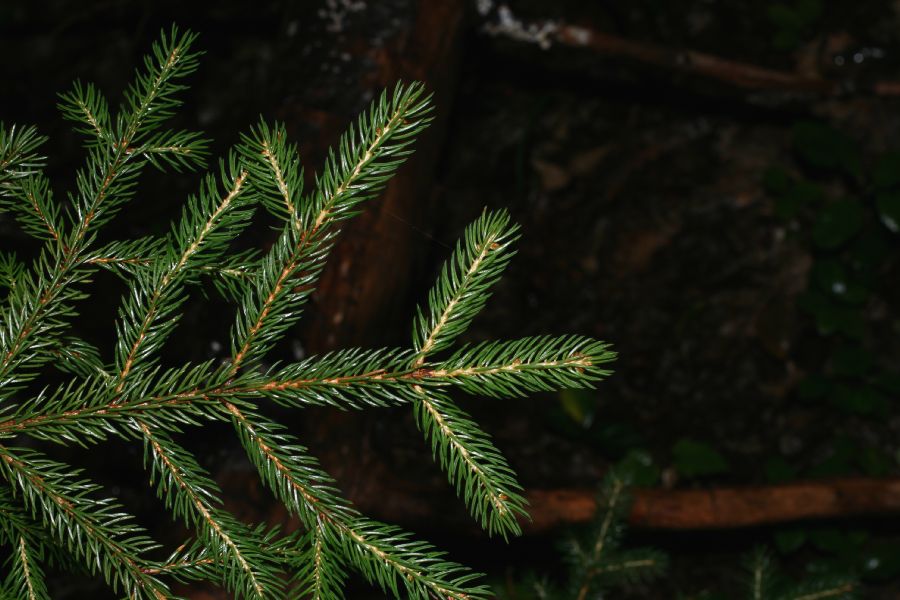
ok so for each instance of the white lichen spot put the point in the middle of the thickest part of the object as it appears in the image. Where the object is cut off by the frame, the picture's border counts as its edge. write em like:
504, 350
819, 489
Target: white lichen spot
507, 24
484, 6
336, 12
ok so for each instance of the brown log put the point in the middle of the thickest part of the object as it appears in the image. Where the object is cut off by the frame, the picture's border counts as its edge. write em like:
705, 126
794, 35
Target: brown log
418, 506
726, 508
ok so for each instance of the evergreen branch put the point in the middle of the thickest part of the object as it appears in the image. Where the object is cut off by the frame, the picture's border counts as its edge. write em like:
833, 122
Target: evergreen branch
151, 99
87, 410
15, 522
37, 310
350, 378
834, 589
31, 201
195, 562
136, 399
91, 529
190, 493
176, 149
354, 378
206, 228
275, 170
387, 556
367, 157
319, 575
345, 379
18, 156
230, 274
86, 106
40, 308
288, 470
10, 270
473, 465
462, 287
614, 502
384, 555
512, 368
763, 582
26, 577
78, 357
629, 567
761, 572
126, 258
604, 565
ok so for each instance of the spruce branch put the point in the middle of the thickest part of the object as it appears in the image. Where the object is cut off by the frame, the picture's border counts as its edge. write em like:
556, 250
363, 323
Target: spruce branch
190, 493
207, 226
78, 357
764, 582
351, 378
126, 258
761, 573
86, 411
320, 575
94, 530
48, 512
26, 577
86, 106
384, 555
152, 97
474, 466
462, 286
31, 201
11, 269
275, 168
191, 561
19, 158
368, 155
504, 369
598, 561
41, 307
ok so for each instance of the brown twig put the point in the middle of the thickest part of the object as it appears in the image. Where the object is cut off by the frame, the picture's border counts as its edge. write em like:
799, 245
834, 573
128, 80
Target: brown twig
734, 73
738, 74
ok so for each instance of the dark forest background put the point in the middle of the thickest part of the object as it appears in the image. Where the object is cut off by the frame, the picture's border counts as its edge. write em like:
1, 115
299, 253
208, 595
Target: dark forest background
713, 187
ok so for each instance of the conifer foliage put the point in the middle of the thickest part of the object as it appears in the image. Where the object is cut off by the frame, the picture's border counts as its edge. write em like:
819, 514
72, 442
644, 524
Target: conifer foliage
51, 513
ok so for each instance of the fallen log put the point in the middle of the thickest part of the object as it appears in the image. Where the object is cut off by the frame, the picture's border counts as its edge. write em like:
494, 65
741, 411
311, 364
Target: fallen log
417, 506
726, 508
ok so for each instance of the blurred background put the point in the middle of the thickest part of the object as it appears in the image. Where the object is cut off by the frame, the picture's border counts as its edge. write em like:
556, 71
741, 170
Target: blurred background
712, 187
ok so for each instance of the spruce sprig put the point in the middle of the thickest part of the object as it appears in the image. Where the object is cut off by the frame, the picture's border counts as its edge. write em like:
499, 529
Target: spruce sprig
763, 581
50, 514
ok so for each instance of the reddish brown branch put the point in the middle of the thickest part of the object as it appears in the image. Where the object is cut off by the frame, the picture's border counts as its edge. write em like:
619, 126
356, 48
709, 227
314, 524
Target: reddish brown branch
723, 508
700, 64
738, 74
